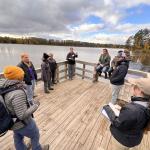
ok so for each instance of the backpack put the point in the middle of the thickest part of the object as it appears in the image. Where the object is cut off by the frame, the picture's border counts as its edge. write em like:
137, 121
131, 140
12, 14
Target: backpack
6, 119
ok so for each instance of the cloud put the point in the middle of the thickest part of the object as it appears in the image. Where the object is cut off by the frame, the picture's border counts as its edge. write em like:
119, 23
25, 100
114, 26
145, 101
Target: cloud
67, 19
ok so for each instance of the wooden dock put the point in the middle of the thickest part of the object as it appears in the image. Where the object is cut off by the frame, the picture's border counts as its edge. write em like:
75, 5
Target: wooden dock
69, 117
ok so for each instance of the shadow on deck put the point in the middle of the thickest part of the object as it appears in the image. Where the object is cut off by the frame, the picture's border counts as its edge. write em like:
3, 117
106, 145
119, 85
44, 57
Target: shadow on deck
69, 117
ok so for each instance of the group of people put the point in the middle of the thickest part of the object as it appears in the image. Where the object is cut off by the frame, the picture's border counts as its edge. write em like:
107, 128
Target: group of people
127, 128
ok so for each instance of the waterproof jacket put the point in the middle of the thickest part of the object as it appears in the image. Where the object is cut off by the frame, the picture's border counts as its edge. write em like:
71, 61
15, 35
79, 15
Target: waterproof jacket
71, 58
27, 75
45, 71
119, 74
17, 104
129, 127
104, 60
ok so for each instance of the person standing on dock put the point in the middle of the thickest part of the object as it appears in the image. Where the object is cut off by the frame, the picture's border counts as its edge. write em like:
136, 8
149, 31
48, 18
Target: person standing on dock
30, 76
17, 105
71, 63
114, 62
46, 73
117, 78
53, 67
104, 63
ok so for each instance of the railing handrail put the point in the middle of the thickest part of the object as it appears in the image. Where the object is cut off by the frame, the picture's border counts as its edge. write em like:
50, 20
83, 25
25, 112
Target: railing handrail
83, 69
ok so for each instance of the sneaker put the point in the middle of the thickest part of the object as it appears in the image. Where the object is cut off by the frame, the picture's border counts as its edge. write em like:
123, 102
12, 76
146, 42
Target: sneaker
50, 88
45, 147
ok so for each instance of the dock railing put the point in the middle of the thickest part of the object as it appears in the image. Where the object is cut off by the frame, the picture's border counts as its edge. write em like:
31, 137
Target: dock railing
83, 69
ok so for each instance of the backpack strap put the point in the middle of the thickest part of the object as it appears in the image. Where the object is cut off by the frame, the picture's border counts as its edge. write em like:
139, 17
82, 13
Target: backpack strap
11, 88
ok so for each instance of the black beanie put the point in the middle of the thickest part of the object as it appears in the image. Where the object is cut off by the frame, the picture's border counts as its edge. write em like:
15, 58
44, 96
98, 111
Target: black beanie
45, 56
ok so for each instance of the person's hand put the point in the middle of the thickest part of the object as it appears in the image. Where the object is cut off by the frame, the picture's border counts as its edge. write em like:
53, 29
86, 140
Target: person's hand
36, 102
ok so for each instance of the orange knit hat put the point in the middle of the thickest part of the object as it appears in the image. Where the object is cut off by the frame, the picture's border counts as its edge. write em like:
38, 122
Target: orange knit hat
13, 73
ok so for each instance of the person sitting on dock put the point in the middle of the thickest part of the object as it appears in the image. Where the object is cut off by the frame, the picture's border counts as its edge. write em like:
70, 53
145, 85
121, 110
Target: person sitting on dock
117, 78
71, 63
128, 128
30, 76
114, 62
18, 106
53, 67
46, 73
104, 63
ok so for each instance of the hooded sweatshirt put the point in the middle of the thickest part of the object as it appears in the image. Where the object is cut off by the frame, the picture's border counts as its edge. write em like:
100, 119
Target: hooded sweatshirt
16, 103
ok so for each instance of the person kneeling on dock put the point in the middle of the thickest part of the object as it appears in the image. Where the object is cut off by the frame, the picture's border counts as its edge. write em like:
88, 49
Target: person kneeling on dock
16, 103
128, 128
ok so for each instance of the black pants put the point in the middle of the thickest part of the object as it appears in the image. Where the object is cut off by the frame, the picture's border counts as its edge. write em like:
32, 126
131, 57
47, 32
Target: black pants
53, 75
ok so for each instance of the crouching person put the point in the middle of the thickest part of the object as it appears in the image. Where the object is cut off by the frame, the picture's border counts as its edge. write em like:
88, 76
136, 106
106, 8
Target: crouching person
128, 128
17, 104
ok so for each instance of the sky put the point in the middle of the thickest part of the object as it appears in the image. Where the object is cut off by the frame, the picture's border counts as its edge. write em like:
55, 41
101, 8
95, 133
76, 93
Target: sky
99, 21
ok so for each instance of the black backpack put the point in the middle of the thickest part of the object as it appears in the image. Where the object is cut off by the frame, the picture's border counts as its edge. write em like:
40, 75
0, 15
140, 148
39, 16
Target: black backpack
6, 119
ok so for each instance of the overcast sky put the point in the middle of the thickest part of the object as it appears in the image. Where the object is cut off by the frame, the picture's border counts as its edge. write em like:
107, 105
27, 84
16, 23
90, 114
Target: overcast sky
101, 21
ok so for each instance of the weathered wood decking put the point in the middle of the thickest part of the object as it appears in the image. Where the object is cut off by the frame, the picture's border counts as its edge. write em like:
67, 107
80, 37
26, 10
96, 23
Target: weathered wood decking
69, 117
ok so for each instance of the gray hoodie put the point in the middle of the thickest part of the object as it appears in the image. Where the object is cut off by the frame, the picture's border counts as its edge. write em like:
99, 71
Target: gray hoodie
16, 103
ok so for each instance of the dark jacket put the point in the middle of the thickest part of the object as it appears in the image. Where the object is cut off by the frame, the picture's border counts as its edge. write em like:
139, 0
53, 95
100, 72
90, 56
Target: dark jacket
71, 58
45, 71
128, 128
119, 74
27, 75
53, 64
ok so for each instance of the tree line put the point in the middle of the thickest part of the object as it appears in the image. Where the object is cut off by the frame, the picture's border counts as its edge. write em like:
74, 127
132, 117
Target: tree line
42, 41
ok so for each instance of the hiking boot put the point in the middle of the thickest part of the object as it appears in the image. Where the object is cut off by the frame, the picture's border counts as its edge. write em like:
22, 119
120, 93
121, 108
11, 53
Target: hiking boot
45, 147
105, 75
47, 92
50, 88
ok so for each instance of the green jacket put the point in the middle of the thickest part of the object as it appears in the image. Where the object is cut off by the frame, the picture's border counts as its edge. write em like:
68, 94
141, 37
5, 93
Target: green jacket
104, 60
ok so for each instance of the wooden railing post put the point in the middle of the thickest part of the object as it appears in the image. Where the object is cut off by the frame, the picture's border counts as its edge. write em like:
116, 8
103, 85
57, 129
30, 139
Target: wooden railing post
95, 75
83, 72
57, 74
66, 70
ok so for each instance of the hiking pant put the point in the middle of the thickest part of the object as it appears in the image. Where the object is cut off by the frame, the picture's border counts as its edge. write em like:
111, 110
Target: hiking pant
53, 75
30, 92
31, 131
115, 93
47, 85
71, 70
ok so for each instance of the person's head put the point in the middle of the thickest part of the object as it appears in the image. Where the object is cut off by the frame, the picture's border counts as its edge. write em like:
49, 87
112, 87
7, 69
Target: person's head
127, 53
13, 73
105, 51
25, 58
119, 54
71, 49
140, 87
45, 56
50, 55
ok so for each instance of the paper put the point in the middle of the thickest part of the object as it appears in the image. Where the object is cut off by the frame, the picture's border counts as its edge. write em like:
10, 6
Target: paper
115, 108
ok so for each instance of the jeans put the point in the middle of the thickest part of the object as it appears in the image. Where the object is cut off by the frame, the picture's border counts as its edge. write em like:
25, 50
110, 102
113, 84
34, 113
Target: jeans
101, 69
47, 85
30, 92
31, 131
115, 93
71, 70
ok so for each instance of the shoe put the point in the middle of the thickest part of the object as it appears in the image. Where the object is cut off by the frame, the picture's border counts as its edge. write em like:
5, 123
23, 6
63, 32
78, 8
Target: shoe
47, 92
50, 88
34, 96
45, 147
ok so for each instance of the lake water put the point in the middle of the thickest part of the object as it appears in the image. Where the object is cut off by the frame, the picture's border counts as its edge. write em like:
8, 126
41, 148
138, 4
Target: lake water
10, 54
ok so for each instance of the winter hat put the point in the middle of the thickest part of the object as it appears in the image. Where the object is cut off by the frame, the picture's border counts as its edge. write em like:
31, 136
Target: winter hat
142, 83
45, 56
13, 73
